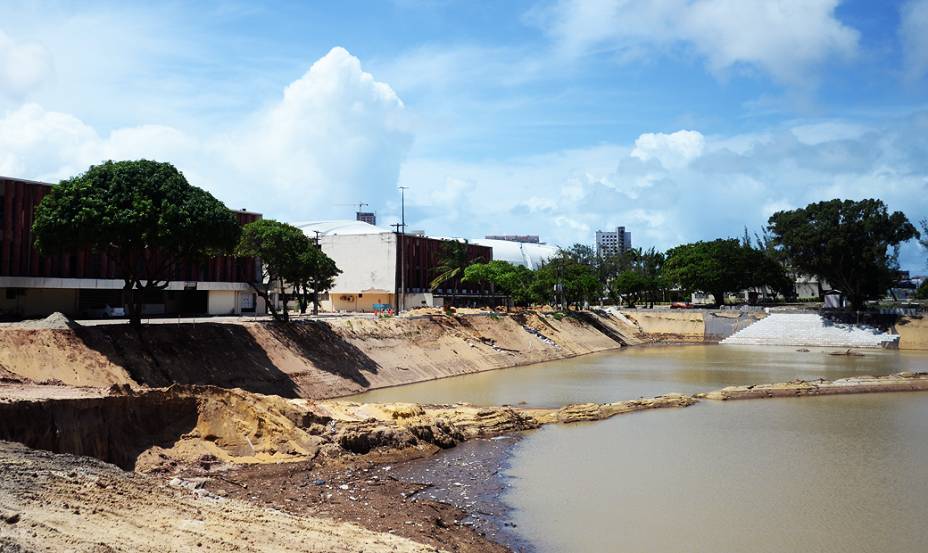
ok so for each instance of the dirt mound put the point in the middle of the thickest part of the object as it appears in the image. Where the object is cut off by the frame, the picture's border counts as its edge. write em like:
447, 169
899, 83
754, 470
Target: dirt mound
55, 321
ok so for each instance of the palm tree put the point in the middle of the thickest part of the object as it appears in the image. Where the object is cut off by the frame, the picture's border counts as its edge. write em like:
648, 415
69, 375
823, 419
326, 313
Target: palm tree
452, 260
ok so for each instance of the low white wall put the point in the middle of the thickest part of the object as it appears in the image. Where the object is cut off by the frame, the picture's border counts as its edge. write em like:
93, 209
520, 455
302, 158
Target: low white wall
222, 302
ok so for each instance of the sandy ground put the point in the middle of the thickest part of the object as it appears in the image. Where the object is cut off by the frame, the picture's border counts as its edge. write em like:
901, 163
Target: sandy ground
52, 503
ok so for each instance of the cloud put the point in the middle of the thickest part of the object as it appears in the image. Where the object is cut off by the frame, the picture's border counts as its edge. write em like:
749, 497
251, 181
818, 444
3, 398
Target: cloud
671, 150
24, 66
670, 188
335, 135
785, 39
913, 33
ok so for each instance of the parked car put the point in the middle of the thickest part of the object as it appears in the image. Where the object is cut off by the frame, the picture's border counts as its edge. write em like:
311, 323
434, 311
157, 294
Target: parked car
682, 305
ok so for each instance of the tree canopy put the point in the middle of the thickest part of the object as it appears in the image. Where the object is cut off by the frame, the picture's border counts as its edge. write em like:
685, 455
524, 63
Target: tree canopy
514, 281
722, 266
290, 260
142, 214
852, 245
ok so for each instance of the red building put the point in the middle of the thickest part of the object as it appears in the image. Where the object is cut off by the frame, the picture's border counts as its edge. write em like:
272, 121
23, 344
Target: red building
88, 284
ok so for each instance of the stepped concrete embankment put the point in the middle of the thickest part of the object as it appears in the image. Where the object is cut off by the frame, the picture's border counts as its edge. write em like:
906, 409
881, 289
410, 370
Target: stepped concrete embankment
811, 330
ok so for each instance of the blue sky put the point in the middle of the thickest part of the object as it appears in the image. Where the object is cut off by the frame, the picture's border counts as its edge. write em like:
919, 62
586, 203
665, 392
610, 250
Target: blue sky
680, 119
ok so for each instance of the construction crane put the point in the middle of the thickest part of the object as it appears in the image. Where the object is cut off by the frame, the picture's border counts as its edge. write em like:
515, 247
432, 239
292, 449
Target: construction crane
361, 205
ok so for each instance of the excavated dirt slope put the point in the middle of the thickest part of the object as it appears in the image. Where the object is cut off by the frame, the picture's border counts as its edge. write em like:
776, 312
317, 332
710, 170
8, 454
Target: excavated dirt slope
309, 359
53, 503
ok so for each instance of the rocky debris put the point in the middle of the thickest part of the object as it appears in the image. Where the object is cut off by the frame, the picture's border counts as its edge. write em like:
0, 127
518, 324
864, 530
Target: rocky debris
537, 333
901, 382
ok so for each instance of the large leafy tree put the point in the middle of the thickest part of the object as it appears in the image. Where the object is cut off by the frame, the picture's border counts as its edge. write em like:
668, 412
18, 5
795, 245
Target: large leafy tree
286, 259
453, 259
852, 245
142, 214
715, 267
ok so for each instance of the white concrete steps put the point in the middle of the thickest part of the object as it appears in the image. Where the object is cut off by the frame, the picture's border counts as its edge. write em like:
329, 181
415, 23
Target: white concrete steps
811, 330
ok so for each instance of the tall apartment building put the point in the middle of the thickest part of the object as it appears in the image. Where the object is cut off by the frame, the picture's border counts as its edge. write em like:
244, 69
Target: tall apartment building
613, 242
368, 217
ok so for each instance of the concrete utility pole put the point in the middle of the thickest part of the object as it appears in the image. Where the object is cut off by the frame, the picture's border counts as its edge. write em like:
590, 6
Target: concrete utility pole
401, 301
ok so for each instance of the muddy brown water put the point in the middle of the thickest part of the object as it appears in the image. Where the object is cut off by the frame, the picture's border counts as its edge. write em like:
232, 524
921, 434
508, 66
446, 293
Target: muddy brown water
647, 371
824, 474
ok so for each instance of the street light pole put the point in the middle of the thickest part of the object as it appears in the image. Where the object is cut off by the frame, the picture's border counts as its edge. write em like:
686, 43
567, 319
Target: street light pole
401, 300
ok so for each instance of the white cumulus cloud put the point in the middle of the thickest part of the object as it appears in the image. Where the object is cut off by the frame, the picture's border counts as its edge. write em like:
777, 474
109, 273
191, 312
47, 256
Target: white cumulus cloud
336, 135
785, 39
673, 150
913, 33
24, 66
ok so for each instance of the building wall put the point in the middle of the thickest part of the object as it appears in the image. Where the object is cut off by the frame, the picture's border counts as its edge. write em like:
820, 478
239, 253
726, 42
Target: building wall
33, 285
422, 256
223, 302
367, 262
361, 302
19, 258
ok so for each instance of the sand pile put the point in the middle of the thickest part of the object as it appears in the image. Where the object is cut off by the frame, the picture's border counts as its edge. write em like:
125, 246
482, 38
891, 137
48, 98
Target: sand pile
55, 321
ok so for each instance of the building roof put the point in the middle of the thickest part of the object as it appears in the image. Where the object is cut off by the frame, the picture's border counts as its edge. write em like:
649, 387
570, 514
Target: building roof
339, 227
519, 253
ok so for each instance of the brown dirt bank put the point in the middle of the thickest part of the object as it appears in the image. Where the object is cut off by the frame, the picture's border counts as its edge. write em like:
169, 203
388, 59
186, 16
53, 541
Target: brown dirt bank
160, 429
52, 502
902, 382
309, 359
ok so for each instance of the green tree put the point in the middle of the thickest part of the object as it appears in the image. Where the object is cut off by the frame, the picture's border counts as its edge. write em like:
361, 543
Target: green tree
715, 267
640, 279
453, 259
316, 273
513, 280
142, 214
285, 254
566, 279
852, 245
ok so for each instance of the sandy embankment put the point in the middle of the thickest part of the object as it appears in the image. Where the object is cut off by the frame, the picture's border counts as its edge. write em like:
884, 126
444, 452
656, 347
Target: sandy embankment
308, 359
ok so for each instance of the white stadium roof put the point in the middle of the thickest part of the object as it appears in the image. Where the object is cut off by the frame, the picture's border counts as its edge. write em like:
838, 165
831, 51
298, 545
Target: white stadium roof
519, 253
339, 227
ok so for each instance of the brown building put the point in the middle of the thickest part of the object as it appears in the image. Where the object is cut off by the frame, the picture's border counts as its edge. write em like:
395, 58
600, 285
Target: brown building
87, 284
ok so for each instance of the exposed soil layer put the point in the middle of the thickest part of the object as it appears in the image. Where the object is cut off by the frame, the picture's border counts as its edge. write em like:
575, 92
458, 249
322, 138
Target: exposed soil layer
52, 503
318, 464
364, 491
308, 359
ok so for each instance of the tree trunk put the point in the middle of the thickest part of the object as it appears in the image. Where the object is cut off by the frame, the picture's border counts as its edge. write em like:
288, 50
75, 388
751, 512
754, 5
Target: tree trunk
315, 302
133, 303
719, 298
267, 300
